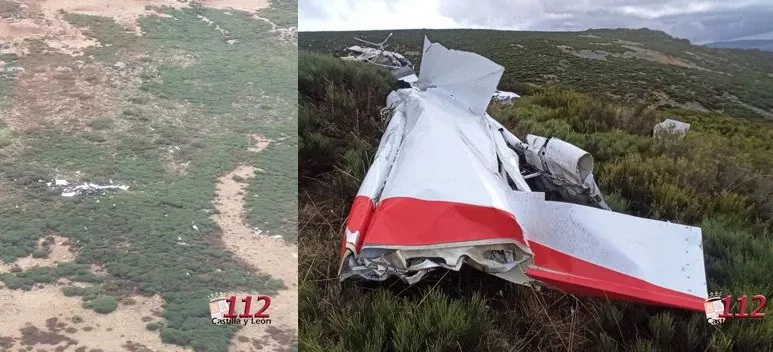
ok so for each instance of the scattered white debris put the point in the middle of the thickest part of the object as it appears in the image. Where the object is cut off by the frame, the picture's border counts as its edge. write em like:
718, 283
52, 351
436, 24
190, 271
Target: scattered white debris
84, 189
277, 236
120, 65
57, 182
62, 69
204, 19
179, 238
670, 127
14, 69
505, 97
195, 227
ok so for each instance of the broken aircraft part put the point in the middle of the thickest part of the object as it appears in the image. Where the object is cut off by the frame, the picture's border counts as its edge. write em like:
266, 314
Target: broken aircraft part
670, 127
400, 67
505, 97
84, 189
449, 185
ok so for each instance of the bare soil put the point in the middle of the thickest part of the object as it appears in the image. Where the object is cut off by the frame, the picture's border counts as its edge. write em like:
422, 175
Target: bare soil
264, 254
58, 252
239, 5
47, 320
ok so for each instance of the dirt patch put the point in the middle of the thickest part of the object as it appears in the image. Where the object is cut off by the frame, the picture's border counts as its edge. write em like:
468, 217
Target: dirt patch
274, 257
44, 20
57, 248
63, 90
260, 143
62, 322
634, 52
239, 5
125, 13
53, 30
655, 56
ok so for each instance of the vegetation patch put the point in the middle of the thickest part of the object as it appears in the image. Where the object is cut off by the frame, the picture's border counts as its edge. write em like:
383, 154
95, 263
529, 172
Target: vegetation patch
632, 64
102, 304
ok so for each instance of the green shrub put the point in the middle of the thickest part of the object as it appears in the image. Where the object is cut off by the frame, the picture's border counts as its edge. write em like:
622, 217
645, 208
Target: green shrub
102, 304
6, 137
40, 253
101, 123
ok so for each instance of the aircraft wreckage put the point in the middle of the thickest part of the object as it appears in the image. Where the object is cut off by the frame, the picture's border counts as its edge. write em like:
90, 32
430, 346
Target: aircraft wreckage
399, 65
376, 54
449, 186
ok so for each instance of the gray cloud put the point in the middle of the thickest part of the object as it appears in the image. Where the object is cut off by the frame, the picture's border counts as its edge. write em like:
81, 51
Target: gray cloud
700, 21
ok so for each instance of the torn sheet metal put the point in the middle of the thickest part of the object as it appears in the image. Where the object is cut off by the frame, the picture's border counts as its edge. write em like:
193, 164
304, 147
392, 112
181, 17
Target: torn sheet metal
670, 127
450, 186
399, 65
83, 189
505, 97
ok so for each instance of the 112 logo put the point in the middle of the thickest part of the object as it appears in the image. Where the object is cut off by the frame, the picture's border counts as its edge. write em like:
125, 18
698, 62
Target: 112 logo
743, 307
223, 310
261, 313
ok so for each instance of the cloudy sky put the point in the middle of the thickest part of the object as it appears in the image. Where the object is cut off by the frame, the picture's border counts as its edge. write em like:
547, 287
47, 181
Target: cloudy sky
699, 21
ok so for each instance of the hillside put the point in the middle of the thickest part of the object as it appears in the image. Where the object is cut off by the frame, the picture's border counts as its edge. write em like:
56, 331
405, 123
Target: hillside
184, 114
717, 178
766, 45
625, 64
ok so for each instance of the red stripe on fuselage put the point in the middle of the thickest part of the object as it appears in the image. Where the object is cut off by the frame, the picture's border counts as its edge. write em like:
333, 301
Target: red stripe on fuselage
404, 221
576, 276
358, 220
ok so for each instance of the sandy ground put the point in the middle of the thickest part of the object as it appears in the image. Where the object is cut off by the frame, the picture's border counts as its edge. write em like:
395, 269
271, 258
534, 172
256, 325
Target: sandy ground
59, 251
240, 5
266, 255
44, 20
62, 324
260, 143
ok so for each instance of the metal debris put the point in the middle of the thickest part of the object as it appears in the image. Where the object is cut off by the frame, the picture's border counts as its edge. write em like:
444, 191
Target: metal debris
504, 96
84, 189
670, 128
450, 186
376, 54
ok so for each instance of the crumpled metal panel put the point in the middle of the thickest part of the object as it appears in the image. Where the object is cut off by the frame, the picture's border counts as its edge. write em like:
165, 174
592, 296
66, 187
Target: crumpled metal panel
467, 77
670, 127
450, 186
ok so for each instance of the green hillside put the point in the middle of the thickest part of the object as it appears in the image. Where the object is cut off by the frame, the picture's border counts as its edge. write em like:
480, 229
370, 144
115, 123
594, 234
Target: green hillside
627, 64
718, 178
